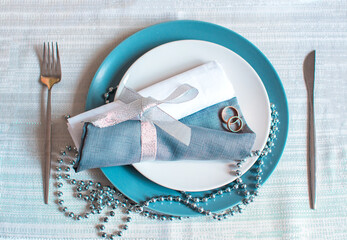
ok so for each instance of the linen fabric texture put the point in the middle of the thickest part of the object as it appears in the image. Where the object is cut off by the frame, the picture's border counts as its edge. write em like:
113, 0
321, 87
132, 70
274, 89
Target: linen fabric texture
210, 140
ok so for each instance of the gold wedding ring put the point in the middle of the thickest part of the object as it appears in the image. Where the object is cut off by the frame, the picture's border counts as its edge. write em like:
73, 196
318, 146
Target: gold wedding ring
223, 113
235, 119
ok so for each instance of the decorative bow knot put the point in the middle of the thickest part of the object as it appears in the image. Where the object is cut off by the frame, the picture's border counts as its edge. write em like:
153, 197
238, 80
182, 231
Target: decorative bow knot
132, 106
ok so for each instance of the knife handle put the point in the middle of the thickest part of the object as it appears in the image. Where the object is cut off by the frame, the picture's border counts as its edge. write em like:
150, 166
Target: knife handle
311, 153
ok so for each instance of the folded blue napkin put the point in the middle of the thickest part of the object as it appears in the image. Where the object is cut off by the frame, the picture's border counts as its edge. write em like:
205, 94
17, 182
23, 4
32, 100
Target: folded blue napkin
121, 144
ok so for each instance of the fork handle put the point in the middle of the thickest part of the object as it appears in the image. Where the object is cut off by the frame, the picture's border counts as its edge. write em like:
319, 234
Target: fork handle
48, 147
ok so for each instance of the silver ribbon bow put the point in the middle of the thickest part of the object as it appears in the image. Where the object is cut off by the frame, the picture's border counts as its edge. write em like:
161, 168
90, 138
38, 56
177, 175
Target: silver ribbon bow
132, 106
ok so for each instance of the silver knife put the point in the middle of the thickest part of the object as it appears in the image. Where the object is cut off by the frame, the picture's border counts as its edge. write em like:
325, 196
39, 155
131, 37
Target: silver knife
309, 68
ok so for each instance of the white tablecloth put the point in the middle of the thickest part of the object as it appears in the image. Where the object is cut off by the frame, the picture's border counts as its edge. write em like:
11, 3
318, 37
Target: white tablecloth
284, 31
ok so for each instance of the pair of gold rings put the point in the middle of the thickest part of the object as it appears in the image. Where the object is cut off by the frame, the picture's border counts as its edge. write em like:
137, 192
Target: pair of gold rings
233, 120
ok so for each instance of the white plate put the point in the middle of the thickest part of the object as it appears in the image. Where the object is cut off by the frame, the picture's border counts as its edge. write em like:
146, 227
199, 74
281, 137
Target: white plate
176, 57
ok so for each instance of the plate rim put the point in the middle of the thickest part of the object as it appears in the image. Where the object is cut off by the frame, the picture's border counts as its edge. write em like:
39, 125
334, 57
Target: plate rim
93, 101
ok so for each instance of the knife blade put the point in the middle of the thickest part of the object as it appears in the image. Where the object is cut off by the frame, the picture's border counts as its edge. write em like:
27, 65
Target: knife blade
309, 76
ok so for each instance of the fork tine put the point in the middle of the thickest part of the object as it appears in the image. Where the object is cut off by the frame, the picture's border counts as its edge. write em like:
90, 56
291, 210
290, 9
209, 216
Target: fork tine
52, 54
44, 53
43, 63
57, 56
48, 57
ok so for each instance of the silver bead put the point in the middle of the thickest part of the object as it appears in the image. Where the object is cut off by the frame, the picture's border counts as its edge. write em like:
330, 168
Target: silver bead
67, 176
102, 227
139, 209
67, 169
79, 217
59, 194
59, 185
58, 169
177, 199
61, 202
71, 214
106, 219
260, 162
59, 160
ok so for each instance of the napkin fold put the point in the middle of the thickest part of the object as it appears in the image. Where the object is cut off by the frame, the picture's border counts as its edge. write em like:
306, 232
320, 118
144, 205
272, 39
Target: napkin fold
120, 144
209, 79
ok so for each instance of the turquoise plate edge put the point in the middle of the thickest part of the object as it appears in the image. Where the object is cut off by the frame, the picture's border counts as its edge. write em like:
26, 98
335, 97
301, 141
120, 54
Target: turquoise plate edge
126, 179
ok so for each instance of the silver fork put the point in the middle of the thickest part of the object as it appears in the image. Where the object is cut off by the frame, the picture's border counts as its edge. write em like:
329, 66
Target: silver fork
50, 75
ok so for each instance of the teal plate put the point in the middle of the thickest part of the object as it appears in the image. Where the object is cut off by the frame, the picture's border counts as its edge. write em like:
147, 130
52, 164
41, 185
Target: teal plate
126, 178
